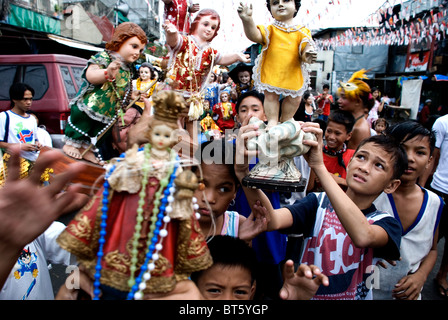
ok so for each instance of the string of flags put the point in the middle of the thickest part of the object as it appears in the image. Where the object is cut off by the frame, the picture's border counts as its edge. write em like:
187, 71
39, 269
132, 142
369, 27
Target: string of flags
394, 30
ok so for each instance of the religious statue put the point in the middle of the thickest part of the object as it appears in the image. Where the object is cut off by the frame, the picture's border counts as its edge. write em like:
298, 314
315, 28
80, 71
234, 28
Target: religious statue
139, 234
277, 148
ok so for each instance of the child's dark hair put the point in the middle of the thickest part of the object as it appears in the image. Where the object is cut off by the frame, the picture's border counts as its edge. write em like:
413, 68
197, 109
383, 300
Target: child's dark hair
217, 151
297, 3
407, 130
150, 67
343, 117
394, 148
231, 252
251, 93
17, 91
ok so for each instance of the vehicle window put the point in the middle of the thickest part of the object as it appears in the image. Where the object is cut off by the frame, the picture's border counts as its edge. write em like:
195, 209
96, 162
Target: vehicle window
77, 73
7, 74
33, 75
68, 82
36, 77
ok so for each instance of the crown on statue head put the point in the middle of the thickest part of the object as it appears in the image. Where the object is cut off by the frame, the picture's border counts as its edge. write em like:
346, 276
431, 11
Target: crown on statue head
168, 105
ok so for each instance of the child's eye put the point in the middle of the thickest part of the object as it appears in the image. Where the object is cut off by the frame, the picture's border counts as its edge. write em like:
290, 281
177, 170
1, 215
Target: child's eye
241, 292
223, 189
214, 291
379, 165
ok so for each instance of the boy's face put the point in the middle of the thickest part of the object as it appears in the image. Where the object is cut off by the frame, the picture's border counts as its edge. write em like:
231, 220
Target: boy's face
251, 107
221, 282
25, 103
335, 135
418, 152
244, 77
131, 49
220, 190
345, 103
370, 171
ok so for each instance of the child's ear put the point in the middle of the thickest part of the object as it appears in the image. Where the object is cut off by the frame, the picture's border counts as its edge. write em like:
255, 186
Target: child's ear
349, 135
392, 186
253, 289
431, 158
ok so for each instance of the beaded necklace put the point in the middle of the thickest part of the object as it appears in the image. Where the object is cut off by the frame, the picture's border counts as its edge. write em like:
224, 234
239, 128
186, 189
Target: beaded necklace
154, 230
284, 27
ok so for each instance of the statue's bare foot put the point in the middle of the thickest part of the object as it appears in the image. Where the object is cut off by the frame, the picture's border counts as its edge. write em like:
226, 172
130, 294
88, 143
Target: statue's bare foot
271, 124
90, 156
71, 151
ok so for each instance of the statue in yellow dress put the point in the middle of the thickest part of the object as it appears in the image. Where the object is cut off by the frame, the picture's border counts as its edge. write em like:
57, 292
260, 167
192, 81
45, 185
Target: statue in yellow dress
281, 68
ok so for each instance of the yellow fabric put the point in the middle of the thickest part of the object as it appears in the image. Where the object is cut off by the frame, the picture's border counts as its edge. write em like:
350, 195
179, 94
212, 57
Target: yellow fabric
280, 65
143, 86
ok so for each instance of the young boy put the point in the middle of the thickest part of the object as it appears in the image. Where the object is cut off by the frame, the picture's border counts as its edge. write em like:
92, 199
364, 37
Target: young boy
324, 101
418, 211
17, 126
235, 270
335, 152
344, 233
233, 273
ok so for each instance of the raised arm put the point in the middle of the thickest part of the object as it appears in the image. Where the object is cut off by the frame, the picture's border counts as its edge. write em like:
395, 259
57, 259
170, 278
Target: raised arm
362, 233
230, 58
172, 34
276, 219
250, 28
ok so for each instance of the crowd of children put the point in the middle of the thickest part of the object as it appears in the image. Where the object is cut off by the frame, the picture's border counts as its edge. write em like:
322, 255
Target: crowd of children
368, 229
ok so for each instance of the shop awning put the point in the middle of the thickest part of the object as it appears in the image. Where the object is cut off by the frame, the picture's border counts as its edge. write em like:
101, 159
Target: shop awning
74, 43
440, 77
25, 18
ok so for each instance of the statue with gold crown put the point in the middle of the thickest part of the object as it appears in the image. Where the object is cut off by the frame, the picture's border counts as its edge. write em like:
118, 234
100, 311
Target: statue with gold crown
139, 234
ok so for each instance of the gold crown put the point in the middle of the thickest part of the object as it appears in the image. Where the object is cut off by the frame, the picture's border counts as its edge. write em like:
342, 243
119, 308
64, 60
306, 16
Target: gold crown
168, 105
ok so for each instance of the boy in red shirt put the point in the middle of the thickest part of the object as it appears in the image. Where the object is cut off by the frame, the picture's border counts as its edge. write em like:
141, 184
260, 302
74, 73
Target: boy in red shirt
324, 101
335, 152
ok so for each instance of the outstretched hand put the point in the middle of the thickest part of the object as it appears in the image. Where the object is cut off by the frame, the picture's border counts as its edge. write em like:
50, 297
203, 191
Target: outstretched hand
244, 58
27, 209
256, 223
244, 11
303, 284
169, 27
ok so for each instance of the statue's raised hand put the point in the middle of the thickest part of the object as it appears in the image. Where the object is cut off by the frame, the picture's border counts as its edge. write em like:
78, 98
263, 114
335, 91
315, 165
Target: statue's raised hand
244, 11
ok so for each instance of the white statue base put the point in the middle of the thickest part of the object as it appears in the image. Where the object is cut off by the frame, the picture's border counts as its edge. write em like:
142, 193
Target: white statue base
277, 148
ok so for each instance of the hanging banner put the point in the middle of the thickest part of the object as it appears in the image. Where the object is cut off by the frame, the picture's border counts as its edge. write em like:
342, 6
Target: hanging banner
417, 62
410, 96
